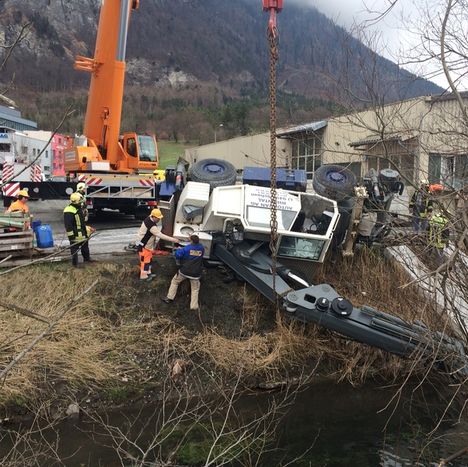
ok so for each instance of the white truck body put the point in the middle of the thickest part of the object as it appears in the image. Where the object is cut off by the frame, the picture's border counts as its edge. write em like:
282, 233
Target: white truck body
306, 221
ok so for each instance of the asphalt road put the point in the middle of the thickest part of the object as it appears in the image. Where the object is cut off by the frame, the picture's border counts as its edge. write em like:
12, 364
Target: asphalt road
51, 212
114, 231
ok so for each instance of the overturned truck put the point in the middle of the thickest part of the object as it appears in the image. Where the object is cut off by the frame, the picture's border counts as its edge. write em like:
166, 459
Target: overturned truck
233, 223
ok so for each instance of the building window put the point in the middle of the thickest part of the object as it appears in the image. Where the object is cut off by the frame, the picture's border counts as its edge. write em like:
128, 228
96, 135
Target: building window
307, 155
24, 150
47, 154
404, 163
450, 171
4, 147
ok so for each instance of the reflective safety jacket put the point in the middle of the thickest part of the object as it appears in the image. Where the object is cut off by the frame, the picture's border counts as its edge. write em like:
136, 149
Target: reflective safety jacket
421, 203
150, 233
438, 232
191, 260
75, 225
18, 206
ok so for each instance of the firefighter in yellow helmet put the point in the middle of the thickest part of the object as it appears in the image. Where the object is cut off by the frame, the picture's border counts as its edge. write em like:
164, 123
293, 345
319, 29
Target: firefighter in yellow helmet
439, 233
20, 205
149, 235
420, 207
75, 226
159, 175
81, 190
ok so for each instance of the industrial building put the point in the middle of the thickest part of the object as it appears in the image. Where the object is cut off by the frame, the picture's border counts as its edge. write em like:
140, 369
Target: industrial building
422, 137
11, 118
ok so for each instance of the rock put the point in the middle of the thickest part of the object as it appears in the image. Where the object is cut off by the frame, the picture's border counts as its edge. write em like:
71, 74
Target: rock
178, 370
73, 411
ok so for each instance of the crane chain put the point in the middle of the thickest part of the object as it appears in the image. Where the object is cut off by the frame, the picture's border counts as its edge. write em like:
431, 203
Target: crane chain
273, 42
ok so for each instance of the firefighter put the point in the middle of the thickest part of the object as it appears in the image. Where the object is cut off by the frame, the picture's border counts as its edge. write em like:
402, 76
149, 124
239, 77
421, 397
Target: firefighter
420, 207
81, 190
158, 175
191, 265
438, 234
148, 238
75, 226
20, 205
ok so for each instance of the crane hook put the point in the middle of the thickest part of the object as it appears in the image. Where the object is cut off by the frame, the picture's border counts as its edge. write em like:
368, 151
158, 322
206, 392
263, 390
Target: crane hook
274, 7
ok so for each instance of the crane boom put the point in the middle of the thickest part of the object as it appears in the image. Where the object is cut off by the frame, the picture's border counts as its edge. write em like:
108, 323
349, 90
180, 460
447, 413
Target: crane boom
131, 152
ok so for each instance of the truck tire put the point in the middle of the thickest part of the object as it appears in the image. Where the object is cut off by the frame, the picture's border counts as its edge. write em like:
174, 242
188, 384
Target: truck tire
334, 181
216, 172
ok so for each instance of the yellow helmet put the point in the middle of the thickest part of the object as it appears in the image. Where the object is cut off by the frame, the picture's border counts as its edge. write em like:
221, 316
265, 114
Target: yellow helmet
81, 186
156, 213
23, 193
75, 198
159, 174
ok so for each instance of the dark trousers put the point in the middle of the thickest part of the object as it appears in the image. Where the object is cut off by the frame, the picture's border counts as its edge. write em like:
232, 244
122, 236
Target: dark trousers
75, 247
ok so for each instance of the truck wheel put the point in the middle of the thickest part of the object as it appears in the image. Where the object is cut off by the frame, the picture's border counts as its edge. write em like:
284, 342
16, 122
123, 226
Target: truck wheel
216, 172
334, 181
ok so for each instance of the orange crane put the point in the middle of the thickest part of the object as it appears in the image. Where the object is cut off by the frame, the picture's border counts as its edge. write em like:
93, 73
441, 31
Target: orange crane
104, 149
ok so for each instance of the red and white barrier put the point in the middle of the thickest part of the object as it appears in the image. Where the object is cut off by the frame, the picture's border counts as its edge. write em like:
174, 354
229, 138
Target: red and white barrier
94, 181
36, 173
146, 182
11, 189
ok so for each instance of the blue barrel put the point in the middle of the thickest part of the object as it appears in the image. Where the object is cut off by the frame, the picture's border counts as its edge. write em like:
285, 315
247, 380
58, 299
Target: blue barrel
35, 225
44, 236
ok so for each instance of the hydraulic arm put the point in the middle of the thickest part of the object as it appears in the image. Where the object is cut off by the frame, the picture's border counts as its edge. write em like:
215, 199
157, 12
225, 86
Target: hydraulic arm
322, 305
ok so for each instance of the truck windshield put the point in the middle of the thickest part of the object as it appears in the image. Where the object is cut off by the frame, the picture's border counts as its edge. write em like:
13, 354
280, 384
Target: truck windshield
147, 148
304, 248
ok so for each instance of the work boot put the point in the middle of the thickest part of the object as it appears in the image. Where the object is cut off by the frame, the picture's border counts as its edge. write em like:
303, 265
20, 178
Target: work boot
90, 260
166, 300
147, 279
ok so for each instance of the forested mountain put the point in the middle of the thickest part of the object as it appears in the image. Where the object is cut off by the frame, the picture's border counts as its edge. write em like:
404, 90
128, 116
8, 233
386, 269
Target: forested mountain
196, 61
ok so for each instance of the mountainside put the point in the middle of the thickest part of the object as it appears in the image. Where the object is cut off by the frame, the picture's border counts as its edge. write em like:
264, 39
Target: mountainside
216, 48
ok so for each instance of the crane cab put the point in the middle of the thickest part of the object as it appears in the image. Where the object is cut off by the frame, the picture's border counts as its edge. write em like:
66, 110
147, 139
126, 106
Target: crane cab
135, 153
140, 152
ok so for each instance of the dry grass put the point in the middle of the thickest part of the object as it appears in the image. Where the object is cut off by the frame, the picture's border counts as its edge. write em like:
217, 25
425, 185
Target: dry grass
115, 332
75, 350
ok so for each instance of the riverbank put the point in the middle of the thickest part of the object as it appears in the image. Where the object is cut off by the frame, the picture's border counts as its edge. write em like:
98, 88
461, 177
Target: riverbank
120, 343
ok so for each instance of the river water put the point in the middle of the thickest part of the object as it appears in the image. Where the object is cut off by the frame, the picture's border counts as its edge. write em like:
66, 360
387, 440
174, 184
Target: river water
333, 425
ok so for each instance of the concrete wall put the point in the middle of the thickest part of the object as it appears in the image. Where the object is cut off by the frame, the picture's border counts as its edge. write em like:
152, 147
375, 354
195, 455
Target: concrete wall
244, 151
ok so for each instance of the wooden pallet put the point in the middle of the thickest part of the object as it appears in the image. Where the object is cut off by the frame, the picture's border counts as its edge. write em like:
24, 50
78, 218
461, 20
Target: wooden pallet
16, 243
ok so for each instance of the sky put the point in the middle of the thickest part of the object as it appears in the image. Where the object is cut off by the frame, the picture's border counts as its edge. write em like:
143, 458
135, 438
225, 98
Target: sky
397, 29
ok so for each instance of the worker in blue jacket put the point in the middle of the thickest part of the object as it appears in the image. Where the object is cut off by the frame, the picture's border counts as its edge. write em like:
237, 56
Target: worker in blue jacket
191, 266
